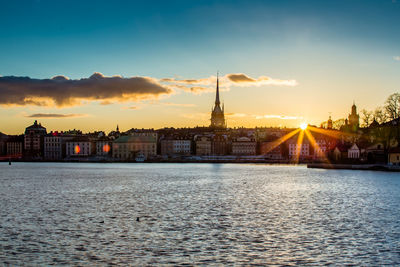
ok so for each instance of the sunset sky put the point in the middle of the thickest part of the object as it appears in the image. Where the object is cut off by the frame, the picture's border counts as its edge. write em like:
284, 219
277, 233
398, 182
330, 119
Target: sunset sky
91, 65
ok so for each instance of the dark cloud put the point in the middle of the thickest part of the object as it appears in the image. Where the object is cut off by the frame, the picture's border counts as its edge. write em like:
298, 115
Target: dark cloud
63, 91
53, 115
237, 78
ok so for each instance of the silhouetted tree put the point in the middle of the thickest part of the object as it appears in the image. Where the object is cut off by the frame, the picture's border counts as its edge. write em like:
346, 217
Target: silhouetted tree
367, 117
392, 106
380, 115
338, 123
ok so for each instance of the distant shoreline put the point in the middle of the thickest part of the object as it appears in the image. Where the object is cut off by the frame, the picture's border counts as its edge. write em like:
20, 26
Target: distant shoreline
362, 167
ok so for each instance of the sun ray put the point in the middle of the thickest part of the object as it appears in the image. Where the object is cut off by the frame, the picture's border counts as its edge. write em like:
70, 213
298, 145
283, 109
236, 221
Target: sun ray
330, 133
282, 139
299, 146
315, 145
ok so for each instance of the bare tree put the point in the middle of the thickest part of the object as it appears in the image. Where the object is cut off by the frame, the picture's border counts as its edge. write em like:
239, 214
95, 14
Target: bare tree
366, 117
392, 106
380, 115
338, 123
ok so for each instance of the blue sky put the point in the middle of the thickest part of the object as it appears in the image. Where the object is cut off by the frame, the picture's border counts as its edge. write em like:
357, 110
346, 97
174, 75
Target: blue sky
337, 51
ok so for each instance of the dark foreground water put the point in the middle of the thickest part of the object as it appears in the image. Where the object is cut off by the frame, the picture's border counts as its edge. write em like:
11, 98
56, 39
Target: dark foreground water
85, 214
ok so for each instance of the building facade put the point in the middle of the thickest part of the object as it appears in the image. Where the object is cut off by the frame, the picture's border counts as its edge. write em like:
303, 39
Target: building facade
175, 146
15, 146
220, 145
128, 147
34, 140
55, 146
80, 147
203, 145
271, 150
244, 146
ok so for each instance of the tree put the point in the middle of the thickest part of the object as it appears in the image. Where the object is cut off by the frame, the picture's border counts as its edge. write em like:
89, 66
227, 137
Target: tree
392, 106
338, 123
366, 117
380, 115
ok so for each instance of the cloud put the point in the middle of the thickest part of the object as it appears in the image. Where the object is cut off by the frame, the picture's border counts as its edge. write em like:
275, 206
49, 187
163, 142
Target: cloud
237, 115
206, 85
240, 79
281, 117
204, 81
62, 91
397, 58
131, 107
54, 115
176, 104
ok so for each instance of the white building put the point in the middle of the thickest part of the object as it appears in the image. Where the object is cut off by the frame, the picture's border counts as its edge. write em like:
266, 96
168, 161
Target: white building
54, 146
175, 146
79, 147
299, 150
353, 152
321, 150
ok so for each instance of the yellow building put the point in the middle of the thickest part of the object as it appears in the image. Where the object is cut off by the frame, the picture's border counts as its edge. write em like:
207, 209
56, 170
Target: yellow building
394, 156
128, 147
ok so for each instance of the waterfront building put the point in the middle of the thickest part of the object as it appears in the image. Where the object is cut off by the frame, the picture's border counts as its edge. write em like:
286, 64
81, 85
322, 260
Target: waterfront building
394, 156
298, 150
217, 113
340, 152
3, 146
375, 153
353, 152
55, 145
15, 145
321, 149
103, 146
219, 145
270, 150
130, 146
203, 145
80, 146
244, 146
175, 146
34, 140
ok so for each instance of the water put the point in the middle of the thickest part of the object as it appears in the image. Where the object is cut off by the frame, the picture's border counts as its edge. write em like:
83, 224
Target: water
201, 214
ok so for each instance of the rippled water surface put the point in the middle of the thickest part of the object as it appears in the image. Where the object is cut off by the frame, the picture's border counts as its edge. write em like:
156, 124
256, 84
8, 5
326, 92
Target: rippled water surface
202, 214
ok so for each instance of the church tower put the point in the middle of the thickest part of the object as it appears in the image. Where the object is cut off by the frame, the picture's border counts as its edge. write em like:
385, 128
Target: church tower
217, 114
354, 118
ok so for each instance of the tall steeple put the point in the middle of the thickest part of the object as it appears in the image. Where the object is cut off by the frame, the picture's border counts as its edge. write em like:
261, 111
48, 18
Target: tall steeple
217, 115
217, 102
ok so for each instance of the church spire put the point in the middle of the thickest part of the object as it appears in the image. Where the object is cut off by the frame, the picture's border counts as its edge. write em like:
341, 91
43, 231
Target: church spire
217, 102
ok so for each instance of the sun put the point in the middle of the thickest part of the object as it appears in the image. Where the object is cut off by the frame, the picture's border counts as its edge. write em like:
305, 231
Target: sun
303, 126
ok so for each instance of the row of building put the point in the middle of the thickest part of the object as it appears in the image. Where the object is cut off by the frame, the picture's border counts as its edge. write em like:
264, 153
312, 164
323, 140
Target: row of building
198, 143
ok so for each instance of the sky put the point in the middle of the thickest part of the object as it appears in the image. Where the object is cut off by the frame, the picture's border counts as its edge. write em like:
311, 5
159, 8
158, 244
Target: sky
93, 65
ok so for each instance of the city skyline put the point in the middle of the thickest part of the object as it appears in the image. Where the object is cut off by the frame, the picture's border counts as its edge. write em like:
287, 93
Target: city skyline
281, 64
